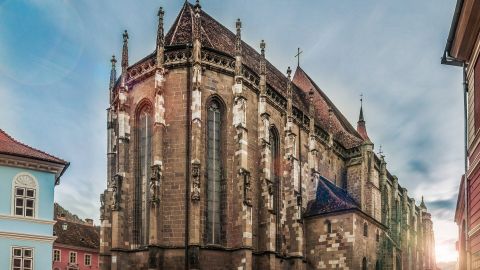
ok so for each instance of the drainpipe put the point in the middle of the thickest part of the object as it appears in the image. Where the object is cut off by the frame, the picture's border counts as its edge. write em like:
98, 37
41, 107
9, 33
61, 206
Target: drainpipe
465, 184
187, 161
449, 60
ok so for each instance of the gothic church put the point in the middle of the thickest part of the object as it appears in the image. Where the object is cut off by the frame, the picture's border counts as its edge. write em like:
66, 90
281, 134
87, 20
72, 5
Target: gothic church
217, 160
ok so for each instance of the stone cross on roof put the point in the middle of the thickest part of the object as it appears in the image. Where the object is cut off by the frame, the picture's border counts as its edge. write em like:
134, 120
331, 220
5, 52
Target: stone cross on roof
298, 56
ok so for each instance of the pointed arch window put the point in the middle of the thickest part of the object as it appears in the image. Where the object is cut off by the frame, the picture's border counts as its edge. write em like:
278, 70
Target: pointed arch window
329, 226
214, 173
275, 178
144, 161
364, 263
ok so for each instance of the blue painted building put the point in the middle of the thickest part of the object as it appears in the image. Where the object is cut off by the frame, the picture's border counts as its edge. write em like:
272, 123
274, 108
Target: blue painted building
27, 181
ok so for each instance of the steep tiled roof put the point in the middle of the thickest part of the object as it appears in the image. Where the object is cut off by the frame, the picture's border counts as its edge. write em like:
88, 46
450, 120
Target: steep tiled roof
216, 36
361, 127
77, 235
10, 146
337, 124
329, 198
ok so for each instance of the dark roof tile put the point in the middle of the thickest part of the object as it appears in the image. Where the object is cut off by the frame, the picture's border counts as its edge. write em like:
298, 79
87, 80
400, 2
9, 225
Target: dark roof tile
77, 235
329, 198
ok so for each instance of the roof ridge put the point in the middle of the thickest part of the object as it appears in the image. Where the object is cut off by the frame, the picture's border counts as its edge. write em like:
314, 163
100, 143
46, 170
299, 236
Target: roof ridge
343, 120
176, 23
30, 147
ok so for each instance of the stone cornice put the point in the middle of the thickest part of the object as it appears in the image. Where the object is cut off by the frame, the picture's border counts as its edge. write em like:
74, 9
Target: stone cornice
180, 56
32, 237
26, 219
27, 163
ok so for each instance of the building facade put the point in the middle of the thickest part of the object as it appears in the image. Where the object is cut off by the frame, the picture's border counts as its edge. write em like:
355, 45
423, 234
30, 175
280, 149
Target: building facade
217, 160
27, 181
463, 49
77, 244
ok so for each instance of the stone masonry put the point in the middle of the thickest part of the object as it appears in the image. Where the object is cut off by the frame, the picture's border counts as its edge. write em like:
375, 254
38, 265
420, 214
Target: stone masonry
217, 160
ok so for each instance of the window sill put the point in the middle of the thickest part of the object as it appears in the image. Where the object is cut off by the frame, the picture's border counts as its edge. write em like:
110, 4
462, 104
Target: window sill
28, 219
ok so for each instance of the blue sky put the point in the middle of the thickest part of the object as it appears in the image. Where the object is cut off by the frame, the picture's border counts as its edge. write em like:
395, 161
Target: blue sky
54, 77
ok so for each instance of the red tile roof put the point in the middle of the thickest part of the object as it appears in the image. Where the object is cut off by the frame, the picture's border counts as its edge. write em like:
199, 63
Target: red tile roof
76, 235
10, 146
215, 35
337, 124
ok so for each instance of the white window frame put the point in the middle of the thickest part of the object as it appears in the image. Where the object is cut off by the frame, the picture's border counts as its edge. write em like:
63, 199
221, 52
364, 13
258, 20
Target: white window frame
27, 181
70, 257
85, 259
13, 257
59, 255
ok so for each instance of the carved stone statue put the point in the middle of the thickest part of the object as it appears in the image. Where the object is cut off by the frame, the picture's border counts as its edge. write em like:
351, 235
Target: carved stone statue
155, 184
240, 111
195, 194
116, 191
247, 194
102, 206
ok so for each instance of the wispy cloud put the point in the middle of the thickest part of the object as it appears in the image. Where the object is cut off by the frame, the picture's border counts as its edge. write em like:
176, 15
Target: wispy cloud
55, 80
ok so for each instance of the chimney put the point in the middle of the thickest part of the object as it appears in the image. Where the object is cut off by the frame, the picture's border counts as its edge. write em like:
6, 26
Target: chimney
89, 221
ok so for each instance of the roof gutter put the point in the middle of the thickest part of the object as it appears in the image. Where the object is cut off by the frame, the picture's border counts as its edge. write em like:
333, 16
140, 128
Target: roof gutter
57, 179
447, 59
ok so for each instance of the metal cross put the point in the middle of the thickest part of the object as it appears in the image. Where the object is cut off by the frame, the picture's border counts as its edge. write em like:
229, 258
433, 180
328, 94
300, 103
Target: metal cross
298, 56
361, 98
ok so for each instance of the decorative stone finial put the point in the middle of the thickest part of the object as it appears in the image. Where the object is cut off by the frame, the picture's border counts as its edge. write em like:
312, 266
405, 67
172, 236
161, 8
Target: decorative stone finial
422, 204
238, 39
125, 50
197, 21
262, 47
238, 25
124, 59
113, 72
160, 38
289, 73
263, 64
197, 8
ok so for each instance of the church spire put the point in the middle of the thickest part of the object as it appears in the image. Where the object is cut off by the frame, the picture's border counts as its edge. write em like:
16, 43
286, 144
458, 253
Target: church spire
361, 127
124, 57
422, 205
160, 38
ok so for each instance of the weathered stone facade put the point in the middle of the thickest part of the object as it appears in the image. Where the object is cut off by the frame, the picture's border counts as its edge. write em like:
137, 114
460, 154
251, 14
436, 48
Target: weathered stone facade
216, 161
